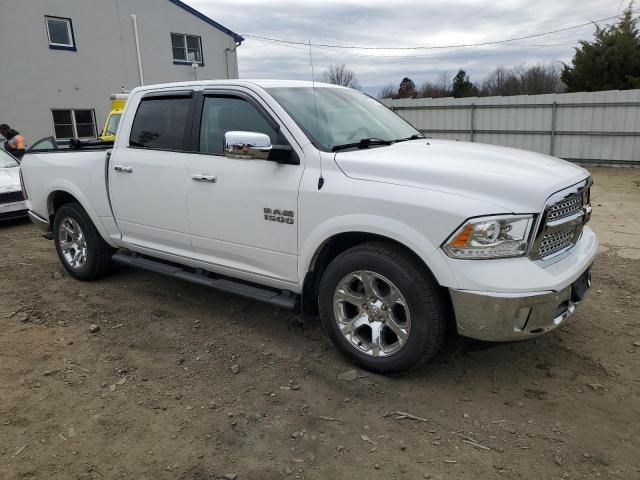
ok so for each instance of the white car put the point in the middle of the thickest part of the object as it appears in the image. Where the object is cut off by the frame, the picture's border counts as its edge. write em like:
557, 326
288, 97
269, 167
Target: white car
320, 198
12, 204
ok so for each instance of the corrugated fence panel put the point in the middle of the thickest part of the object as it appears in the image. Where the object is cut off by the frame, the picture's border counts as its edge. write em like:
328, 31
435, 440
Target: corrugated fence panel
600, 127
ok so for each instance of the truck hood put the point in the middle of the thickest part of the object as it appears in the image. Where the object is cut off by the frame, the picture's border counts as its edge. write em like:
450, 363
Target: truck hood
9, 179
517, 181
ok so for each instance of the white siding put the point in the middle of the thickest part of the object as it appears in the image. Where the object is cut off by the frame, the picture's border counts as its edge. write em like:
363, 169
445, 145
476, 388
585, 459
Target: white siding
35, 78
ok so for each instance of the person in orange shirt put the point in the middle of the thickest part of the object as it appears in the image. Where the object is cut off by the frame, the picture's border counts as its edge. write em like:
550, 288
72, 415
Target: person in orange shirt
14, 141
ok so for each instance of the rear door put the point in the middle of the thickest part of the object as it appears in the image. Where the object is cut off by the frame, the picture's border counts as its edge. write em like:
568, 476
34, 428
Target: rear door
147, 175
234, 220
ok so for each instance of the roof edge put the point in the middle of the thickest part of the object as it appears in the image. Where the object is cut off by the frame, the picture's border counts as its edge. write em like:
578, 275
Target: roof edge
203, 17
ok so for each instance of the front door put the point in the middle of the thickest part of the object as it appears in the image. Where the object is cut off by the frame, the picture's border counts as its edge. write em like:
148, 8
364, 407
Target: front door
147, 177
233, 217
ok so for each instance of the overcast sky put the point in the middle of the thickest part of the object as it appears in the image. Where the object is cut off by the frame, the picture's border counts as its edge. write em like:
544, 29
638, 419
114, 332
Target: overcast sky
386, 23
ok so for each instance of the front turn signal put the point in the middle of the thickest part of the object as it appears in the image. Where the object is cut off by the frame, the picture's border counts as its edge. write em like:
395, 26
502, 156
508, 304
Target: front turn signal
462, 238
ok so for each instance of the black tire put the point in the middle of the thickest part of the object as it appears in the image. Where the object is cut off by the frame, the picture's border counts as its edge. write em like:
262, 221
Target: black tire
98, 252
421, 294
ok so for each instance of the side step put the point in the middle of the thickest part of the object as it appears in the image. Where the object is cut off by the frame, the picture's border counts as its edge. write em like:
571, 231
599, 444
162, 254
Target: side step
278, 298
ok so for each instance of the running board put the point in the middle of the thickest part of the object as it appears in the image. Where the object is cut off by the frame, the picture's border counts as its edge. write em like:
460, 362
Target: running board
278, 298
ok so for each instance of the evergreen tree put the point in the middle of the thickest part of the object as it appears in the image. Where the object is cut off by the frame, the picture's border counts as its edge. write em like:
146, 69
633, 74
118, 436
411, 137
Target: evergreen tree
462, 86
610, 62
407, 88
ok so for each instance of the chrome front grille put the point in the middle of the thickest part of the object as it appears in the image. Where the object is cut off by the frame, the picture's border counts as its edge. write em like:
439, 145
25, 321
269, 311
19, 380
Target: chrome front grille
565, 208
562, 221
557, 241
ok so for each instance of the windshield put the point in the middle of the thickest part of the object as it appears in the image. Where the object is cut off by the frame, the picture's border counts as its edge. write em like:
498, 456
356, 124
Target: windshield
344, 116
7, 161
112, 125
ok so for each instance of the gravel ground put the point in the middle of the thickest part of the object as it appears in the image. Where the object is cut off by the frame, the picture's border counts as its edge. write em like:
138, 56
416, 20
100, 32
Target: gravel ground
180, 382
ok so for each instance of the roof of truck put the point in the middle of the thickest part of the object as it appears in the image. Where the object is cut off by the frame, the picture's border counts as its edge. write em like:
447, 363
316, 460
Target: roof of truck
263, 83
274, 83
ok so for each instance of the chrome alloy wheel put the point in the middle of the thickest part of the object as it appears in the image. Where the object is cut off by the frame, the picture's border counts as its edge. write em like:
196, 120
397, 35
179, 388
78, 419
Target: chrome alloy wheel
73, 244
371, 313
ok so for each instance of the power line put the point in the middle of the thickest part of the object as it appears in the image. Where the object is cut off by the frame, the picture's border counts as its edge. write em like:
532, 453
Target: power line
434, 55
441, 54
433, 47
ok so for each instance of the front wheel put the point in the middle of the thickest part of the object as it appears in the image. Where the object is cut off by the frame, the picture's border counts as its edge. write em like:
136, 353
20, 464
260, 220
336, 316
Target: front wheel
82, 251
382, 308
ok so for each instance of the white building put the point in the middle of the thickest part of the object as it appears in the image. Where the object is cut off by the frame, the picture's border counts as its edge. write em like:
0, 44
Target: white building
60, 60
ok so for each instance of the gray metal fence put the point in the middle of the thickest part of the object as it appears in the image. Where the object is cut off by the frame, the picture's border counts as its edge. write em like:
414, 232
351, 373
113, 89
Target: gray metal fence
586, 127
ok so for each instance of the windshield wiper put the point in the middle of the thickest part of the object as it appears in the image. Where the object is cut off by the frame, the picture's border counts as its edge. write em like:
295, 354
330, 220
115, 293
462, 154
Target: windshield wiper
415, 136
363, 143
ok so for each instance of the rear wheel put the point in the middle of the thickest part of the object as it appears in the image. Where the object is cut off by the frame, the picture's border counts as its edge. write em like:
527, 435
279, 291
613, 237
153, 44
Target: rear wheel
381, 308
82, 251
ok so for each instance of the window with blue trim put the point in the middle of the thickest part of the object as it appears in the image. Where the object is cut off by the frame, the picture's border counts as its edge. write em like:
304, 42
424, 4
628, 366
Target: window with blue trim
186, 49
60, 33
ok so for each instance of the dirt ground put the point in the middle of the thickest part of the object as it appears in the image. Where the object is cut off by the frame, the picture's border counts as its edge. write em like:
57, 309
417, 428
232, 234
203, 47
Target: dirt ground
155, 394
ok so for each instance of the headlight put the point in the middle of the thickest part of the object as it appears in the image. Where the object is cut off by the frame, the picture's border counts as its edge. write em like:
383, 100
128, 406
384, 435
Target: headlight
490, 237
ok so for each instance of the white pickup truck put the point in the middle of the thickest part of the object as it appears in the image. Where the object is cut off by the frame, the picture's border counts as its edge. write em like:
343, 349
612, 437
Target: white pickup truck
320, 198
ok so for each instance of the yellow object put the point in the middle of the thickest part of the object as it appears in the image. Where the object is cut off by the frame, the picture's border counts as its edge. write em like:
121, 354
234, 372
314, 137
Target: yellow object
110, 128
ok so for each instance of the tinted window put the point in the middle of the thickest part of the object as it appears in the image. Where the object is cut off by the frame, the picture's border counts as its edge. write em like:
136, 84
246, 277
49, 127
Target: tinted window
160, 123
225, 114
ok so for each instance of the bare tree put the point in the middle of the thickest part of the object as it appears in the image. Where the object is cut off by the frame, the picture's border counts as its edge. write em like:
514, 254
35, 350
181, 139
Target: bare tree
339, 74
437, 89
540, 78
500, 82
388, 91
523, 80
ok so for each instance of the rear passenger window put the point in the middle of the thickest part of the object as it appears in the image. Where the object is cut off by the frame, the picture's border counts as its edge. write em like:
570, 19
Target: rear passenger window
160, 123
224, 114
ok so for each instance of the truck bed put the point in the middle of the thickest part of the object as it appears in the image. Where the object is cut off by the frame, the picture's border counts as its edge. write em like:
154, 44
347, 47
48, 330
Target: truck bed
80, 173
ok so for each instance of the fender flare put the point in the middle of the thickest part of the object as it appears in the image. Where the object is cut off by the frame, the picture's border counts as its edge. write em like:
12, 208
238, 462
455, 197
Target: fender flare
381, 226
68, 188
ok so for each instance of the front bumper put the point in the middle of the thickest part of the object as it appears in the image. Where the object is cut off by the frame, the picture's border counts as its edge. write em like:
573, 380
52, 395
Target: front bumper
13, 210
507, 317
516, 299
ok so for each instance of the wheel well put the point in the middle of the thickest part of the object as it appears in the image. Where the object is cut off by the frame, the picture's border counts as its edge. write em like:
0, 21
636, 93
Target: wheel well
56, 200
338, 244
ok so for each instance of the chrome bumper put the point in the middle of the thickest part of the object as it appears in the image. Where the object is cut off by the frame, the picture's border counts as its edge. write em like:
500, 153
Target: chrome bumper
41, 223
500, 317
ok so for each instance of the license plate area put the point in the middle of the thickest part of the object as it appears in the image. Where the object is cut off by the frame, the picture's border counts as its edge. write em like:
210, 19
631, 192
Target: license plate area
581, 286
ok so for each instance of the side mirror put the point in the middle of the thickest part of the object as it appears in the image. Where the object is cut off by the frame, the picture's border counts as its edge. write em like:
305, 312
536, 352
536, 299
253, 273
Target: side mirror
249, 145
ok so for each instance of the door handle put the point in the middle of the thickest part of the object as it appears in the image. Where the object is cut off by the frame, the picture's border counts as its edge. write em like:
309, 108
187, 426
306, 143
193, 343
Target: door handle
200, 177
123, 168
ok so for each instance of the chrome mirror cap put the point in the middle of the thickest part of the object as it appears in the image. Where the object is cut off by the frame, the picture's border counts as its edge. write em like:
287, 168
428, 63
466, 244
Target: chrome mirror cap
251, 145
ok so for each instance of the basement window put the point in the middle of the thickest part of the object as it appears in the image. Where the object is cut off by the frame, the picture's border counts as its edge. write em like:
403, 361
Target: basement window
74, 123
60, 33
187, 49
